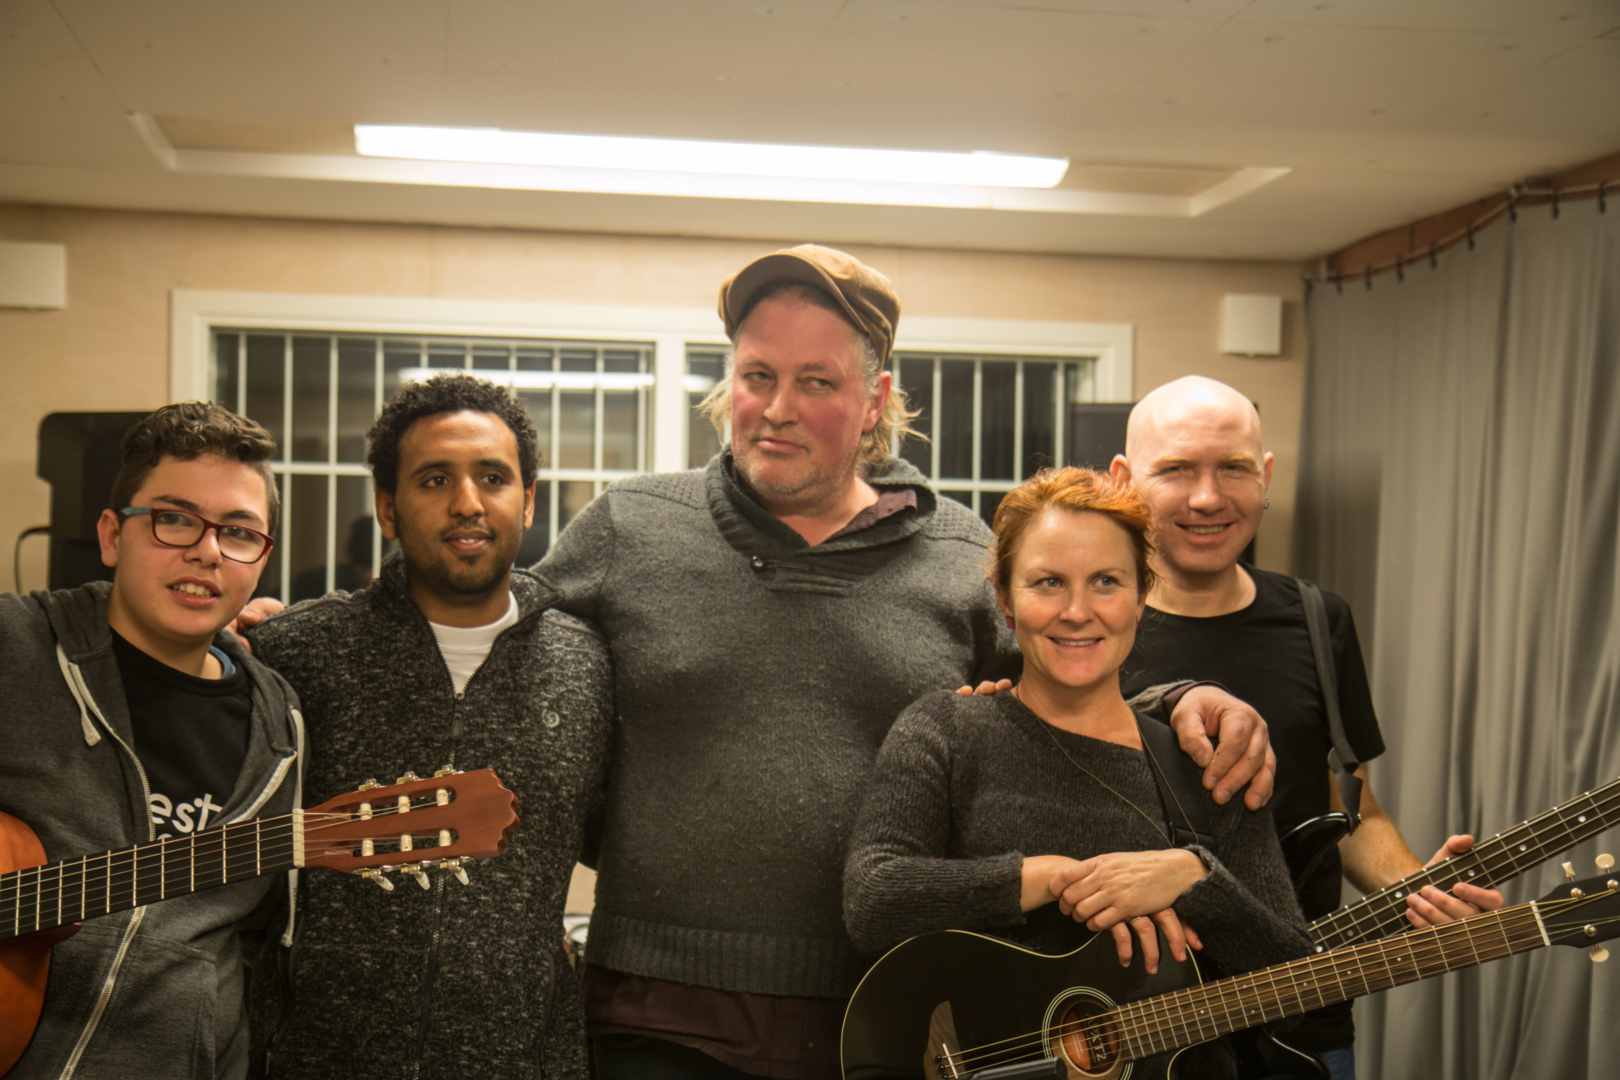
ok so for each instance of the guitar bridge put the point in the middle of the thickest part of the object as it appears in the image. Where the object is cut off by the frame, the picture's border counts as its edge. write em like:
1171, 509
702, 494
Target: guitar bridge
940, 1060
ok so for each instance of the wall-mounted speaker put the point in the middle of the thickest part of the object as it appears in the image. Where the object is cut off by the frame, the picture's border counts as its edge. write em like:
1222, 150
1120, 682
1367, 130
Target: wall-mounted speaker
79, 457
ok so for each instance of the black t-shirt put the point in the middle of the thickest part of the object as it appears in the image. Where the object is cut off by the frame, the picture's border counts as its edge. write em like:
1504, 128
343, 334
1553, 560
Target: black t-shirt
191, 736
1263, 655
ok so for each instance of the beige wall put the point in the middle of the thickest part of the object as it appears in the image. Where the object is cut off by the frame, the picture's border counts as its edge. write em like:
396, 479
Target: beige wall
109, 349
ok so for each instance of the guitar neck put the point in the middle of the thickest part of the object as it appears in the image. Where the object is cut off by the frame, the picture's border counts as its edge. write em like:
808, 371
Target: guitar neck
1501, 858
44, 897
1169, 1021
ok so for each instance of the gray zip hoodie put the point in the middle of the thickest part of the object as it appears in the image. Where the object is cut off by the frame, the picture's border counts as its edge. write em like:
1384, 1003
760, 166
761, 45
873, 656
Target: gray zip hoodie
156, 991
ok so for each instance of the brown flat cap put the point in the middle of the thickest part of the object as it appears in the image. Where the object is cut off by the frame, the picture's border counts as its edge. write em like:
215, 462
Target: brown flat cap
866, 296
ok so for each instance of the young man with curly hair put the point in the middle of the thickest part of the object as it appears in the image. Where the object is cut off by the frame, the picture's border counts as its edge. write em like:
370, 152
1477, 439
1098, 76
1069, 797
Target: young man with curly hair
126, 717
450, 657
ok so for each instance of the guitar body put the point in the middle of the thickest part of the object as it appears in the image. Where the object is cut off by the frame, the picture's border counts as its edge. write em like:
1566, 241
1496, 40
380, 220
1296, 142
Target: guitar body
25, 962
1003, 998
1308, 843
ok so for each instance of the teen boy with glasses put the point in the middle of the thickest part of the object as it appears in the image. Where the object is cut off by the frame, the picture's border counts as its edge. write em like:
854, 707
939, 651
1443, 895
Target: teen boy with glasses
127, 717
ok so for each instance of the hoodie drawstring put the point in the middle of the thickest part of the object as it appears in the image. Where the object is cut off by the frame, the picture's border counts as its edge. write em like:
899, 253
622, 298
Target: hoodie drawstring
81, 694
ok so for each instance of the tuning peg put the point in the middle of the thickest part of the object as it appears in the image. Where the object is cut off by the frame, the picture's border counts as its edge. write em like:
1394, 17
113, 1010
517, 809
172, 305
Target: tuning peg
1598, 954
448, 770
368, 785
407, 778
454, 867
416, 872
1605, 861
380, 877
1569, 870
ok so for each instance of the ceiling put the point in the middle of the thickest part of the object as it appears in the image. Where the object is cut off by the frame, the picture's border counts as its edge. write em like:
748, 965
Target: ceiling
1382, 110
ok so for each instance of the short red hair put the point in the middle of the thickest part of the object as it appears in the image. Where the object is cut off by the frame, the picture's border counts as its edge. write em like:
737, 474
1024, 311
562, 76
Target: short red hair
1078, 491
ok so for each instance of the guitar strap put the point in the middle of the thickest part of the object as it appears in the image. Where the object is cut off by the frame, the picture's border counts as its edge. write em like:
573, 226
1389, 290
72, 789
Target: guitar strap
1181, 786
1340, 757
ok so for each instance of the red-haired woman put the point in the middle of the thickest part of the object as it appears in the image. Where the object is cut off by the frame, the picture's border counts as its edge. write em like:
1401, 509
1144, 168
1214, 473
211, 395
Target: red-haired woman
1024, 813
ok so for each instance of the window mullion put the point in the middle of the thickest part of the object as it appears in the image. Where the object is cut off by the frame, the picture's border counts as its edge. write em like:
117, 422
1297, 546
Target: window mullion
1018, 420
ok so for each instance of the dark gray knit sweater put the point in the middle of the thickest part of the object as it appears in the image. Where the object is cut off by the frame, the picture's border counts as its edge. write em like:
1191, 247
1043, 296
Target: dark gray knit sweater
458, 981
755, 679
965, 788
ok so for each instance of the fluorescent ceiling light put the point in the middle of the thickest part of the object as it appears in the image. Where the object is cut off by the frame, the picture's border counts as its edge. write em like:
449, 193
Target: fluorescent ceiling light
493, 146
540, 380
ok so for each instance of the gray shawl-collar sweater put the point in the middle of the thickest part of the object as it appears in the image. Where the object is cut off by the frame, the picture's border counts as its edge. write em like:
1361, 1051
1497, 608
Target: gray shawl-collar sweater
460, 980
755, 678
155, 991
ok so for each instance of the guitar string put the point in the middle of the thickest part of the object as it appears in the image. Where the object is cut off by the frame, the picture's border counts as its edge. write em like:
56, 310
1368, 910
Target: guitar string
129, 862
315, 822
1525, 834
1156, 1020
1171, 1012
1392, 898
1354, 922
107, 873
1146, 1030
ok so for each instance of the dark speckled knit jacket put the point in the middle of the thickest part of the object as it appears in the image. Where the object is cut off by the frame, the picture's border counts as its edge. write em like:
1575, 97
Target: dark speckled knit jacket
457, 981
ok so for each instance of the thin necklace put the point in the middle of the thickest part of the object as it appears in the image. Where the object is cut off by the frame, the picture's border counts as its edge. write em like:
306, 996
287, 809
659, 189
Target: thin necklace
1047, 727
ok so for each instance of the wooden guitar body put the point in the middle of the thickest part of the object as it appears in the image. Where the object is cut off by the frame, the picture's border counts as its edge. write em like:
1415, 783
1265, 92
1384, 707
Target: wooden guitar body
25, 962
1003, 999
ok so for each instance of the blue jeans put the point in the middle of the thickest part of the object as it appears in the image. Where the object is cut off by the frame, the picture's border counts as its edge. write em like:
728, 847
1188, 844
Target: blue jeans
1341, 1063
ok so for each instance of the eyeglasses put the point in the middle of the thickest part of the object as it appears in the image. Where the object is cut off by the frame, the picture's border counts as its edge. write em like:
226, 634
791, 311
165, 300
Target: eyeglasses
182, 529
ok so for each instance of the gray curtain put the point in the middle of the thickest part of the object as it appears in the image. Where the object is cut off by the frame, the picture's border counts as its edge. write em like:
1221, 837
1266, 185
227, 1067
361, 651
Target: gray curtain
1460, 485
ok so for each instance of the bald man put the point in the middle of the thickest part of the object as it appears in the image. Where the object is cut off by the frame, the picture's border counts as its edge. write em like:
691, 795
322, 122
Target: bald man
1194, 451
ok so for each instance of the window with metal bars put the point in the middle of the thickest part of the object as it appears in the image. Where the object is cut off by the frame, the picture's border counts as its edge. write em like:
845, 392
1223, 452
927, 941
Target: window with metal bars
992, 421
319, 393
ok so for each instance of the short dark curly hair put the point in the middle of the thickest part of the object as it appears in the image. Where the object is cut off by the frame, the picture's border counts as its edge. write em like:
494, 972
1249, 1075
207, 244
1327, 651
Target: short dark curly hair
442, 394
187, 430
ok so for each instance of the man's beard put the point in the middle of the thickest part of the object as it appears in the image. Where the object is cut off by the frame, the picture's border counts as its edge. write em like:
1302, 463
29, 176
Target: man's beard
454, 577
753, 465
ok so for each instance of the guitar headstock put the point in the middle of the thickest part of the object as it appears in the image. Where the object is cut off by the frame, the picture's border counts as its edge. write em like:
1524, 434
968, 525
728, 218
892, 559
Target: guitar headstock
413, 825
1584, 913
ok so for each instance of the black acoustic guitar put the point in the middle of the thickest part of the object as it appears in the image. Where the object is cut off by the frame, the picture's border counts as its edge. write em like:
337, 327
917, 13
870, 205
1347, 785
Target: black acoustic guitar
952, 1004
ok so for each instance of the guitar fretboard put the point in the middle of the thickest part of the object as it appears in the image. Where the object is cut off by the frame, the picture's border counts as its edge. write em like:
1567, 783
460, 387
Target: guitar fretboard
43, 897
1501, 858
1195, 1015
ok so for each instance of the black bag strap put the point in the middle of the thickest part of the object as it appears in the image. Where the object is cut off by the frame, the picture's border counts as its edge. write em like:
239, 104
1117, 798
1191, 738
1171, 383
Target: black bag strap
1341, 757
1181, 786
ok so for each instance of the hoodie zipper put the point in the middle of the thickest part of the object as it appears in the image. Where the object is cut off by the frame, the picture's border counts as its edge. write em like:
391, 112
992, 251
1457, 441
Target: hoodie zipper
79, 686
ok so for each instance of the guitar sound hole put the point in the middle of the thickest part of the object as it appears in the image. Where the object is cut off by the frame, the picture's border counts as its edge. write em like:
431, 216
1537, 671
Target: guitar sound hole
1087, 1044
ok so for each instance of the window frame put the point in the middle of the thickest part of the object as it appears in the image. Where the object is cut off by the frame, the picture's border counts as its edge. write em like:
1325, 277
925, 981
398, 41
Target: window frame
195, 315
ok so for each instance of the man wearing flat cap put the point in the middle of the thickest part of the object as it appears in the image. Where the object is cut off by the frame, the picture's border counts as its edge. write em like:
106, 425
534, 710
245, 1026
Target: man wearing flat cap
769, 617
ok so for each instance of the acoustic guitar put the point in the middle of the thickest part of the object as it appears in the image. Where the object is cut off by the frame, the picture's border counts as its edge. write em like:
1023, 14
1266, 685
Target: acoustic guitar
412, 827
955, 1004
